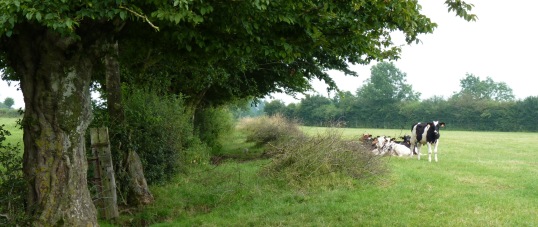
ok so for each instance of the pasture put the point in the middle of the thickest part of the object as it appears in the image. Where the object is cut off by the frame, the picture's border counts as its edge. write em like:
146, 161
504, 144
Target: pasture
481, 179
10, 124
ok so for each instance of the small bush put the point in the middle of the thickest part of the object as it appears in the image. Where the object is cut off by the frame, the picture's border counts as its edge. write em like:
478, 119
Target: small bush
5, 112
275, 129
160, 129
211, 125
322, 160
12, 183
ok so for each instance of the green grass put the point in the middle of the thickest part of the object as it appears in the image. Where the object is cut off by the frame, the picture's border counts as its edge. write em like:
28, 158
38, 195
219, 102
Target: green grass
10, 124
481, 179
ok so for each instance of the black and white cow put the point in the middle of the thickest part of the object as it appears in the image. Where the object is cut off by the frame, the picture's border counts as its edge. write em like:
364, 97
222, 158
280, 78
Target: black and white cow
426, 133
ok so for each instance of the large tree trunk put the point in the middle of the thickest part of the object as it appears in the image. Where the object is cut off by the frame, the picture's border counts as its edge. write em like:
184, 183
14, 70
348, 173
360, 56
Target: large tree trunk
131, 166
55, 76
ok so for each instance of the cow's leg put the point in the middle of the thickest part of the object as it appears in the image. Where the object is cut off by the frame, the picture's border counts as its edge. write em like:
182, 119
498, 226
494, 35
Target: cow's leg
418, 151
435, 149
429, 152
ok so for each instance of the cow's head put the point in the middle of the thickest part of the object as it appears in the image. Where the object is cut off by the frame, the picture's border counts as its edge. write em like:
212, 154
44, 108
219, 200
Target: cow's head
436, 126
406, 138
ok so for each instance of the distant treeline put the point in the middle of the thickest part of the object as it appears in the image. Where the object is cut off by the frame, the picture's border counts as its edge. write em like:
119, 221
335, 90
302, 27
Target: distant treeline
459, 112
5, 112
6, 109
387, 101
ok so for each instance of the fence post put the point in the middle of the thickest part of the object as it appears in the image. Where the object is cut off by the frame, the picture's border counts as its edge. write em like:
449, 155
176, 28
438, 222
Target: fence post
101, 149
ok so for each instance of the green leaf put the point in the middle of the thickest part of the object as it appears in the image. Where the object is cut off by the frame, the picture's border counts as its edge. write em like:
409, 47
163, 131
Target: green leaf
69, 23
123, 15
12, 21
38, 16
49, 16
29, 15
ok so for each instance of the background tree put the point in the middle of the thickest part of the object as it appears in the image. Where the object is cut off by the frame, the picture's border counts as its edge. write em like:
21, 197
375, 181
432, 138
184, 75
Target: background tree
484, 89
274, 107
382, 93
9, 102
387, 84
247, 108
209, 50
527, 114
311, 110
346, 104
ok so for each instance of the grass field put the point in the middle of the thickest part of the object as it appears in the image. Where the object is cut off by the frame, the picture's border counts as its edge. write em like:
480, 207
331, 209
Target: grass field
10, 124
481, 179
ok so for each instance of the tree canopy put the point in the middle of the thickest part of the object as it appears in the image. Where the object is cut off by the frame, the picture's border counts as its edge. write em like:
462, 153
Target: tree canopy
211, 51
487, 89
215, 52
387, 84
9, 102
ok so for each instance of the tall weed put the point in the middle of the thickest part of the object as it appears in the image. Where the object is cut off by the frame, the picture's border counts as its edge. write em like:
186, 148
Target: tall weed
322, 160
274, 129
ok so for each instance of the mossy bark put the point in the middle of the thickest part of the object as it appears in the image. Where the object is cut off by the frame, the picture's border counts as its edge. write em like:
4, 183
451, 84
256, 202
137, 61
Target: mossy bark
55, 74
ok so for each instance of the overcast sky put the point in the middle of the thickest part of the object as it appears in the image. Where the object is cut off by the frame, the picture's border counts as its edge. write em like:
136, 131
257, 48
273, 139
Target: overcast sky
502, 44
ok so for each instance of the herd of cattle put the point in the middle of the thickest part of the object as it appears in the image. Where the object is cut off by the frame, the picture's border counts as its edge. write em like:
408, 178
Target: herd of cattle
421, 133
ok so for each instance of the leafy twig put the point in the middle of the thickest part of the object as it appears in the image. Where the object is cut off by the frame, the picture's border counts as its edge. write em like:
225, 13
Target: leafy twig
144, 17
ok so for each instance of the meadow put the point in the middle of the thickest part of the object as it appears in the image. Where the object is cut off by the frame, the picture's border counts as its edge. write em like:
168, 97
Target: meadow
10, 124
481, 179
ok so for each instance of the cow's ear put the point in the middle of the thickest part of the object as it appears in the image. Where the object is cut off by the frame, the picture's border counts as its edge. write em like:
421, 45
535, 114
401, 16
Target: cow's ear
442, 124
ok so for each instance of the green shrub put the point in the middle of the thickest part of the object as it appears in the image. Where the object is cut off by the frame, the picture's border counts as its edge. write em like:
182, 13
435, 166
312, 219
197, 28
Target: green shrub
5, 112
322, 160
265, 130
159, 129
12, 183
211, 125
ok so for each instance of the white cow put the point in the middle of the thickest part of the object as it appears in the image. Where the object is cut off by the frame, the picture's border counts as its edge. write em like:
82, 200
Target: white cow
381, 143
399, 149
426, 133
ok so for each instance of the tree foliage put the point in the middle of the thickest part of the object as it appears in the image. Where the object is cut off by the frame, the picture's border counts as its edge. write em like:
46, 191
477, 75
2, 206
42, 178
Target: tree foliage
477, 107
211, 51
386, 85
274, 107
9, 102
487, 89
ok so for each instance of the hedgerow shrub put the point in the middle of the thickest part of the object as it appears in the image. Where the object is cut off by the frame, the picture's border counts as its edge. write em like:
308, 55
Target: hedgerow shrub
5, 112
160, 129
265, 130
12, 184
322, 160
211, 125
